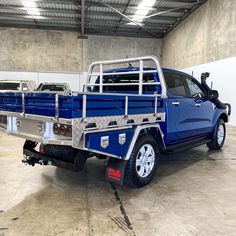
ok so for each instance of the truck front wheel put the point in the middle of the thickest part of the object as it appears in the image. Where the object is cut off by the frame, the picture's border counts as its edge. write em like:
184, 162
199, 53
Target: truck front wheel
142, 165
218, 137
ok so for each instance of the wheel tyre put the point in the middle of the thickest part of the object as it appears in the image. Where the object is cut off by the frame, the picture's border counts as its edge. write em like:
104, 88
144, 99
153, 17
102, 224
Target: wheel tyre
61, 153
132, 176
218, 137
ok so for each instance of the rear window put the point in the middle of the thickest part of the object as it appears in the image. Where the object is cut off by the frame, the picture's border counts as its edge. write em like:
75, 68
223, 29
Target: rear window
51, 87
175, 84
125, 79
9, 86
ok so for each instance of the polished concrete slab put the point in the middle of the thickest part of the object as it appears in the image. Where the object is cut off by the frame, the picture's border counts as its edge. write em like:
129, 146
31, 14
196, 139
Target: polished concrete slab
193, 193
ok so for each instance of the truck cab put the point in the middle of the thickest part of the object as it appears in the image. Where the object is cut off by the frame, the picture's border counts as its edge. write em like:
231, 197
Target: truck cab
191, 113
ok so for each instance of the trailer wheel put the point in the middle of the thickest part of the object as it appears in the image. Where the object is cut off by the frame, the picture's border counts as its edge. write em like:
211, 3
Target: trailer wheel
142, 165
218, 137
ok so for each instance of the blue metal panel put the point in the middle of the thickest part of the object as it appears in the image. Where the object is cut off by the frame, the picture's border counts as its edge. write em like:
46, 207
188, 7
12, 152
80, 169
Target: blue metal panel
93, 141
71, 106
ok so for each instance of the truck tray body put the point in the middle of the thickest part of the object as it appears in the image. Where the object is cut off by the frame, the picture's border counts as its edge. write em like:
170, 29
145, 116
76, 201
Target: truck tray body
70, 107
99, 122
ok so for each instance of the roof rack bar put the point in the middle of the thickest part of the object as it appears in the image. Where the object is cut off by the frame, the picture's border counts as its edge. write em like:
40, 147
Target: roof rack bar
126, 84
124, 73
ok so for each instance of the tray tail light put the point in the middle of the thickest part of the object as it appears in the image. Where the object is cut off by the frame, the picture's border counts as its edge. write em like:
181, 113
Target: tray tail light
62, 129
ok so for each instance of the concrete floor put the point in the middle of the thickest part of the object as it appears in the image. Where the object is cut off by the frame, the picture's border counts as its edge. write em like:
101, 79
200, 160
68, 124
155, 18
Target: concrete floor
194, 193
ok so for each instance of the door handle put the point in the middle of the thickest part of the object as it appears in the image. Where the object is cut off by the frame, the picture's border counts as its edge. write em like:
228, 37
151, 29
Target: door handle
197, 104
175, 103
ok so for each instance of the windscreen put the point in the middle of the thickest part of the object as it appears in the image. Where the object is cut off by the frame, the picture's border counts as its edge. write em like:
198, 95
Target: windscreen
51, 87
9, 86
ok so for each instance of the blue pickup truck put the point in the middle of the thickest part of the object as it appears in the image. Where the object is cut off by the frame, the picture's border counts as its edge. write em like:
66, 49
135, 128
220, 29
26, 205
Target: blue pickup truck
129, 116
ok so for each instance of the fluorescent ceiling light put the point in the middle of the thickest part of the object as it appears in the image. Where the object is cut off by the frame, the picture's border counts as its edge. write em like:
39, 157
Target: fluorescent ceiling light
32, 9
133, 24
142, 11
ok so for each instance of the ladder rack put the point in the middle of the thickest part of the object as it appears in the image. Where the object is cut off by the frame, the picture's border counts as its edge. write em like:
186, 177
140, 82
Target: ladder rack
141, 72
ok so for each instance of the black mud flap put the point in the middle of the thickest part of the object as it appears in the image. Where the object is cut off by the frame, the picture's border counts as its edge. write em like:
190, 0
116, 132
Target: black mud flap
115, 170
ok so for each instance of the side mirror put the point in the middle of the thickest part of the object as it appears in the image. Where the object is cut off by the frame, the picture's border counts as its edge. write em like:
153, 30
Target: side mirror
212, 94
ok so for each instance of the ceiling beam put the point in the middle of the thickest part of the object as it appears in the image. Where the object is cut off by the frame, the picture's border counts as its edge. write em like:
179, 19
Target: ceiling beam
73, 14
82, 17
128, 18
59, 9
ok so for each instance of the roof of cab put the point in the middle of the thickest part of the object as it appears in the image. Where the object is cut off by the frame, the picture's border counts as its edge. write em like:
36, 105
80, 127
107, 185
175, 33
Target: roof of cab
126, 69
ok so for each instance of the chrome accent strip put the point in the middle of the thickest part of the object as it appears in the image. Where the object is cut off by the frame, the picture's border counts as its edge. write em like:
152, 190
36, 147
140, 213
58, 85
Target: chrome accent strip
106, 130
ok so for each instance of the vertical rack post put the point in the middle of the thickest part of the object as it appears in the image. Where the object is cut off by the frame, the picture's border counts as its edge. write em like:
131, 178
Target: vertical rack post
140, 90
101, 79
126, 105
56, 106
84, 106
155, 106
23, 104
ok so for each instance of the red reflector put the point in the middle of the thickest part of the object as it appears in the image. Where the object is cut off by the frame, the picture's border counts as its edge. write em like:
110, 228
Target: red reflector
114, 174
41, 149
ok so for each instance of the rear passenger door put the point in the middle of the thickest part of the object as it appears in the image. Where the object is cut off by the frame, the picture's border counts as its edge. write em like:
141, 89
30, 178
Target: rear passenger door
203, 111
179, 109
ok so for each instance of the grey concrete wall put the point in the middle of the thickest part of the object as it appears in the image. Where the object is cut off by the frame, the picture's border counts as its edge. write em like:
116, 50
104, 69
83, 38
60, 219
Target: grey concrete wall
100, 48
37, 50
207, 35
40, 50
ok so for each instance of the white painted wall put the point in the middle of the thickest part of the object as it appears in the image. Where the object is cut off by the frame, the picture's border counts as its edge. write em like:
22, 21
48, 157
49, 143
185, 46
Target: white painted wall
223, 77
75, 80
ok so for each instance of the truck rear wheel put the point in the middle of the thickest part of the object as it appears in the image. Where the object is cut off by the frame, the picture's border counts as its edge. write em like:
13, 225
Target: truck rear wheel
142, 165
218, 137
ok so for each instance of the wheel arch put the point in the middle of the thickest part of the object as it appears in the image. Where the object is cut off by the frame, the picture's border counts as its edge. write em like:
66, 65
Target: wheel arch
224, 117
152, 129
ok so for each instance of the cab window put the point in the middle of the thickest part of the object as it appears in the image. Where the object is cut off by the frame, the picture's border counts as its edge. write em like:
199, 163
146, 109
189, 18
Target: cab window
194, 90
175, 84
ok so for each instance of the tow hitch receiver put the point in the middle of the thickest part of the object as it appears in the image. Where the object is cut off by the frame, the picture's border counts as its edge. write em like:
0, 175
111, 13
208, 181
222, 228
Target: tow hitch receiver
115, 170
32, 161
32, 157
